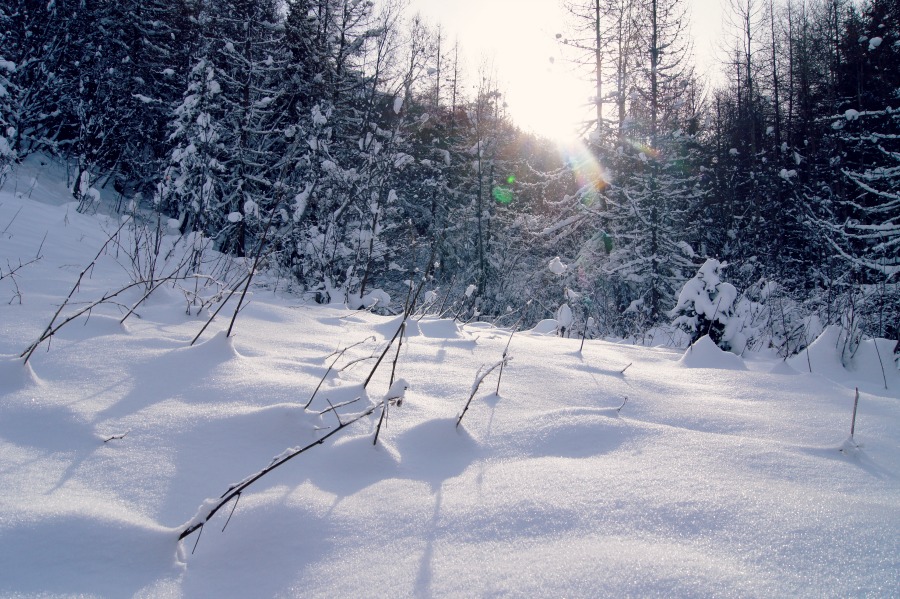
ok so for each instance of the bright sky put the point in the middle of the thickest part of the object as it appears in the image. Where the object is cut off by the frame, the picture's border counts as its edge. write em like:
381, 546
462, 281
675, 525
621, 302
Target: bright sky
519, 37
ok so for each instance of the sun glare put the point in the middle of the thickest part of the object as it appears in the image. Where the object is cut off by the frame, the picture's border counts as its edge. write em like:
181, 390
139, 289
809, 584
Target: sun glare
517, 41
549, 107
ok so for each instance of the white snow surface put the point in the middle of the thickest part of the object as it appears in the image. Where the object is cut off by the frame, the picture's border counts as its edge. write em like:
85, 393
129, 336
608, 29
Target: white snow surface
710, 481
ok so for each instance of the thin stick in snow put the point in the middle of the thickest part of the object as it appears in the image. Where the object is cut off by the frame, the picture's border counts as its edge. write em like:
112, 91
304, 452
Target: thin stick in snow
231, 513
504, 358
202, 518
324, 376
880, 362
48, 332
479, 378
853, 421
256, 260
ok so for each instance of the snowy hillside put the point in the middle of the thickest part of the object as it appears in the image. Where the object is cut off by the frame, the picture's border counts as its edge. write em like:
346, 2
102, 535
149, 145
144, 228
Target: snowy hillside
719, 476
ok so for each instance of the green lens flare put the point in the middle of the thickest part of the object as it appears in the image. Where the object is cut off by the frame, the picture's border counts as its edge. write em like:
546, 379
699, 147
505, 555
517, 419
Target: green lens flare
511, 179
502, 195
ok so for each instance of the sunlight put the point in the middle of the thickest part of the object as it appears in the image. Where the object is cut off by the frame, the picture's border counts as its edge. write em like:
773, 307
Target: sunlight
517, 40
547, 102
591, 175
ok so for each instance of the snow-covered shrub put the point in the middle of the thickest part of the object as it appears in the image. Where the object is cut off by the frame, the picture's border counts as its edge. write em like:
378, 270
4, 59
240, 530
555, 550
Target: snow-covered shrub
706, 306
564, 319
771, 318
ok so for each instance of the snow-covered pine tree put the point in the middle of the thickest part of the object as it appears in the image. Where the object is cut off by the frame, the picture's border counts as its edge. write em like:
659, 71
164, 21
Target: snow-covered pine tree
338, 123
659, 174
158, 42
225, 165
7, 95
706, 306
35, 40
864, 221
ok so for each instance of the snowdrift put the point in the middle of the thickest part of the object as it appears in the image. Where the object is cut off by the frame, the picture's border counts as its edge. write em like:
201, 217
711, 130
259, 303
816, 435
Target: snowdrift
619, 471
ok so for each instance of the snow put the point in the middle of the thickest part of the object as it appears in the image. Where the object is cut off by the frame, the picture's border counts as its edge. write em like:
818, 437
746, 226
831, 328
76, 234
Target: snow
564, 317
706, 296
719, 476
704, 353
556, 266
875, 42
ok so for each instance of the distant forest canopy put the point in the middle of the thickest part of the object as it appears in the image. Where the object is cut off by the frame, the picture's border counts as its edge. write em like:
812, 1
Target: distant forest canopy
339, 138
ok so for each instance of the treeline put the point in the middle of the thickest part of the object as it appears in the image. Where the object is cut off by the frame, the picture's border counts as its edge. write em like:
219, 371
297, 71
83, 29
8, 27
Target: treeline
342, 134
789, 172
345, 141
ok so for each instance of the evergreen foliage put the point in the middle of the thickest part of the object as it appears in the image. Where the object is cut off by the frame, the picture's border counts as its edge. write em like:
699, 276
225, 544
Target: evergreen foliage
337, 136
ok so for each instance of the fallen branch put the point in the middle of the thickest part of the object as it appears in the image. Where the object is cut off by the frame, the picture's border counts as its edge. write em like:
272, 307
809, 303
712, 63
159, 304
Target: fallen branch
52, 330
235, 490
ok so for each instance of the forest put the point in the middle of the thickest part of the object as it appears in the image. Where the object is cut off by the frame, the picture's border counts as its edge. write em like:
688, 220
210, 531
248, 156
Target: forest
341, 145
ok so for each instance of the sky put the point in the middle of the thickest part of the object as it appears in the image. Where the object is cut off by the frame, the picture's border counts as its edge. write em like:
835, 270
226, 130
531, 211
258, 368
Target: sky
518, 38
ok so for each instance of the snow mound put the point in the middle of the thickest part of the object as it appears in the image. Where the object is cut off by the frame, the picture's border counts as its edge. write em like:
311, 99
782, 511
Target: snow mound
87, 554
783, 367
706, 354
15, 375
873, 362
430, 327
218, 349
440, 328
573, 434
436, 450
548, 326
375, 298
822, 356
92, 325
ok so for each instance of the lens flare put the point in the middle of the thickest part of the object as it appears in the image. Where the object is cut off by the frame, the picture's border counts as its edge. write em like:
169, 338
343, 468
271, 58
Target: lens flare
642, 147
503, 195
591, 176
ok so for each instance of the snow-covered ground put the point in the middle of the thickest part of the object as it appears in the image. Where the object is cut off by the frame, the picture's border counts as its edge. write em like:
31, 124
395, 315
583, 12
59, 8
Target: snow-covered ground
719, 476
